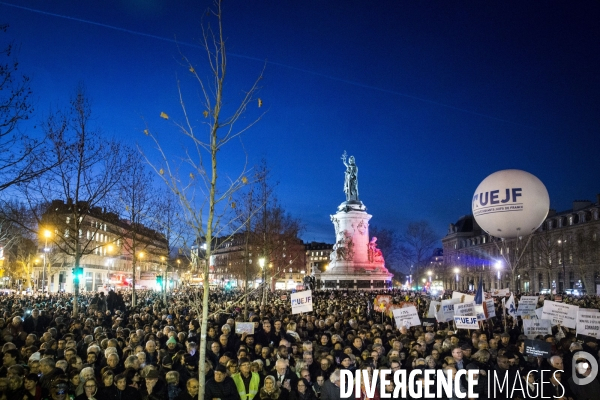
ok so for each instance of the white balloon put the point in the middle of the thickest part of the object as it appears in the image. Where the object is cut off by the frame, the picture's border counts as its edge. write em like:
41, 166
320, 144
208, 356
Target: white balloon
510, 203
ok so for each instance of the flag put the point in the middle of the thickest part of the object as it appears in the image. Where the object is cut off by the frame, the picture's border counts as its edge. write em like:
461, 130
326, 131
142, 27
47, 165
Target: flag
510, 306
479, 294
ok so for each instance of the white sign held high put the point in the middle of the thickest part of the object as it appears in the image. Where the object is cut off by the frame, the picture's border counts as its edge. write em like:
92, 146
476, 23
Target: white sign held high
466, 322
407, 316
535, 327
560, 314
588, 322
527, 305
302, 302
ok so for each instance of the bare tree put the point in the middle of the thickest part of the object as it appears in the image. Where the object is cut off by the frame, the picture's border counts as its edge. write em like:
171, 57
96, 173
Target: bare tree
545, 248
585, 256
21, 157
139, 206
89, 167
418, 242
170, 224
205, 197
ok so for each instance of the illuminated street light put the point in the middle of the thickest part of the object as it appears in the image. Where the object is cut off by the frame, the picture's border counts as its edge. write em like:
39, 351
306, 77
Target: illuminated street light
498, 267
429, 273
456, 271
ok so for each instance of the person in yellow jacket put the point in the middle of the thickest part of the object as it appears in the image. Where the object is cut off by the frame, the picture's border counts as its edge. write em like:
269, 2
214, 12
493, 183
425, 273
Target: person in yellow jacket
247, 382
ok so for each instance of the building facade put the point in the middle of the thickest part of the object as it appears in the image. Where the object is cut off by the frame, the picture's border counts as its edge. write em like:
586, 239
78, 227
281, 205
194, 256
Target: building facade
318, 256
562, 255
107, 246
235, 257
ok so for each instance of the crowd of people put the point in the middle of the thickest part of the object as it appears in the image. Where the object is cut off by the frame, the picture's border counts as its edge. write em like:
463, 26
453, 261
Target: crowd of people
113, 350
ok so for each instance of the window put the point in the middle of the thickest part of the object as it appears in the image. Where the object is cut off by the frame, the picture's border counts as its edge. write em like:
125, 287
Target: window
571, 220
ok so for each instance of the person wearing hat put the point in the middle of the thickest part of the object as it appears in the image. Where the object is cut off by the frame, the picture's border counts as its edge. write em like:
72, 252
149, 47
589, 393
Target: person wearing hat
466, 350
153, 388
221, 386
246, 382
172, 346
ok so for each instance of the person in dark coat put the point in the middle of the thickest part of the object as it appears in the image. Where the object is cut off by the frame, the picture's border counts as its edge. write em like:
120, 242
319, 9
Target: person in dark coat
191, 392
153, 388
221, 386
303, 391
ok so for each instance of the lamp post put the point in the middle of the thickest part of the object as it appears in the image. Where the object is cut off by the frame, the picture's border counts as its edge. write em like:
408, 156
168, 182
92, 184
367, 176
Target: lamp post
429, 273
562, 261
165, 279
261, 262
46, 236
498, 267
456, 270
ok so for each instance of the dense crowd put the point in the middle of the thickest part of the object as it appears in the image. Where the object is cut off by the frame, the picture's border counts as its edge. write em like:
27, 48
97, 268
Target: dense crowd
112, 350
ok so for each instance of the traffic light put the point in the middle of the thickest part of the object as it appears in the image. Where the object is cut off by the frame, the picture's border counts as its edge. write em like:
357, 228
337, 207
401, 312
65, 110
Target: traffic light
77, 274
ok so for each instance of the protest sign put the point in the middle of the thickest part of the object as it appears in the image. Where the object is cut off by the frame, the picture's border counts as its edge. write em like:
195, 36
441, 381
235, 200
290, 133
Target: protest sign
244, 327
538, 312
462, 309
433, 309
490, 308
464, 298
560, 314
466, 322
527, 305
480, 312
500, 292
302, 302
446, 312
407, 316
384, 299
428, 322
537, 348
588, 322
534, 327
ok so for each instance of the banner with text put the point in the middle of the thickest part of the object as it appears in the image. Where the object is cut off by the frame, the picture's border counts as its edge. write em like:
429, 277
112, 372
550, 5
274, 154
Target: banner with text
466, 322
433, 307
302, 302
446, 312
500, 292
407, 316
527, 305
588, 322
535, 327
463, 309
560, 314
490, 308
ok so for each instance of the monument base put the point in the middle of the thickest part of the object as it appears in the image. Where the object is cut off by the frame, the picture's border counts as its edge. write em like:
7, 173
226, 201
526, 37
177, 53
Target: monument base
354, 277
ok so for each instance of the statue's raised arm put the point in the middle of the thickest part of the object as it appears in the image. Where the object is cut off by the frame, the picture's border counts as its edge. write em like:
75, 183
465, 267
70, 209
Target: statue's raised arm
351, 178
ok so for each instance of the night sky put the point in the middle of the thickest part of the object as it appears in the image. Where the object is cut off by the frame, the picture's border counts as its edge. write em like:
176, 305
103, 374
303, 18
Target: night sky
430, 97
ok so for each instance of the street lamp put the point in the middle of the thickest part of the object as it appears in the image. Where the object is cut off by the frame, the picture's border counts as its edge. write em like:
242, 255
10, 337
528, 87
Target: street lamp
498, 267
456, 270
429, 273
46, 235
562, 261
261, 262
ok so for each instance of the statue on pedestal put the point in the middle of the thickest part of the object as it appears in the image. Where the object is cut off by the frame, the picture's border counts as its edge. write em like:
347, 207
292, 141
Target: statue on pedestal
375, 255
351, 178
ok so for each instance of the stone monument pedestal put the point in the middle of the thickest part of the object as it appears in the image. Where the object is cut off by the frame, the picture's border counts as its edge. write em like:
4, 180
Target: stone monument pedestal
356, 262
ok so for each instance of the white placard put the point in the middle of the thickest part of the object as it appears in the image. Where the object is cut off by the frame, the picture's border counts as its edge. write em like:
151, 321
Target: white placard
560, 314
480, 312
406, 316
535, 327
500, 292
464, 298
490, 307
527, 305
538, 312
302, 302
463, 309
433, 309
247, 327
466, 322
588, 322
446, 313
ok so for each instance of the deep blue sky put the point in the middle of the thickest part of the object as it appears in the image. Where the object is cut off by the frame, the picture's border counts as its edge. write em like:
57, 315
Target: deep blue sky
430, 97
